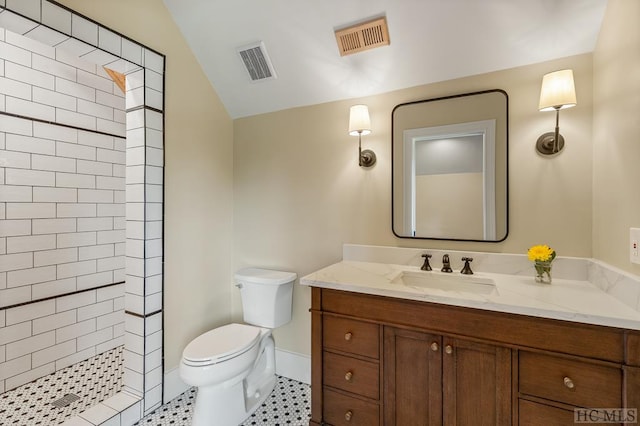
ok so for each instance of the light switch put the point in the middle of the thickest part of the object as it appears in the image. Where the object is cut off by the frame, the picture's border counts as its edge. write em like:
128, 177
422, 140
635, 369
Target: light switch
634, 240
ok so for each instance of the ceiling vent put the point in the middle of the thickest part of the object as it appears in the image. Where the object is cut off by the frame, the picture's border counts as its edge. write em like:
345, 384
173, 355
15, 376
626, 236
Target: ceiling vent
257, 62
363, 36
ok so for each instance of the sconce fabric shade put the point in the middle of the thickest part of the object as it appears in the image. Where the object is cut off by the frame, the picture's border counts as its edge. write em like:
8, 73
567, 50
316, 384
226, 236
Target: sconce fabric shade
558, 91
359, 122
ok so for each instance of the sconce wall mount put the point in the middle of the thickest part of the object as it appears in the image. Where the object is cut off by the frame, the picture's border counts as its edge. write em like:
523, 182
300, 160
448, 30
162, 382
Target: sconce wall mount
367, 158
360, 124
557, 92
551, 142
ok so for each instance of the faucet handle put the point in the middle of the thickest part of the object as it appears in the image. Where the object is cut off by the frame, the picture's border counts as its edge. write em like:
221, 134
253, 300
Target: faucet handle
425, 266
466, 269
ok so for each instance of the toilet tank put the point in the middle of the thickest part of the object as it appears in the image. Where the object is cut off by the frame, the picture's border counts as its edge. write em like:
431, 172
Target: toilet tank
267, 296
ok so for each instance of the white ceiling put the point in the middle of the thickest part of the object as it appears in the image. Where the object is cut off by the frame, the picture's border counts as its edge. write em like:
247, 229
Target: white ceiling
431, 40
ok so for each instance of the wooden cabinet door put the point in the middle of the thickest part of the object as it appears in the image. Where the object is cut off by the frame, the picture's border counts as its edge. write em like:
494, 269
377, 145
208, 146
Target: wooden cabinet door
412, 378
631, 390
477, 383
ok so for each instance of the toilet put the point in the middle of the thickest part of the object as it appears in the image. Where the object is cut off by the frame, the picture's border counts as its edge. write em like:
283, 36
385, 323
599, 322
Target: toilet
234, 365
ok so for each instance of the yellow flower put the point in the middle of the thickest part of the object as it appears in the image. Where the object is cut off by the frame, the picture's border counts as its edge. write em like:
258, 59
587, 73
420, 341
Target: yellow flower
541, 253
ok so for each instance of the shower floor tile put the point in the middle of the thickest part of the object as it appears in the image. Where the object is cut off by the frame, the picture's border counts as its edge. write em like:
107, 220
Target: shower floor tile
288, 404
92, 380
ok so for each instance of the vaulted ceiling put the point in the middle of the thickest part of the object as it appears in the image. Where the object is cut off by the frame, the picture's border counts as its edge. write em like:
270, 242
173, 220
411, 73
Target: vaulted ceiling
431, 40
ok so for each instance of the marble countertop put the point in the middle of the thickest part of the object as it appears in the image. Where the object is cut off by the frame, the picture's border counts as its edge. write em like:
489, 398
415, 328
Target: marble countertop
564, 299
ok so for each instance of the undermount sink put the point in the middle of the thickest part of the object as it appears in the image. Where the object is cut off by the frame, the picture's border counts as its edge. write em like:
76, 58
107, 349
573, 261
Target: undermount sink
447, 282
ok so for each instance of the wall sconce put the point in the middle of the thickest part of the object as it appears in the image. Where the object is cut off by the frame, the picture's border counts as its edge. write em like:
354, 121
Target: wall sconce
557, 92
360, 124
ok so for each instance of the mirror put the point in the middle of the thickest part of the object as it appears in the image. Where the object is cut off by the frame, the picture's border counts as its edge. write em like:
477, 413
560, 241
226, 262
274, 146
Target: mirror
449, 167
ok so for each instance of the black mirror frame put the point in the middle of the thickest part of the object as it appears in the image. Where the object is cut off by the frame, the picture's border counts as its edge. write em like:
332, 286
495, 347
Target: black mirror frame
506, 165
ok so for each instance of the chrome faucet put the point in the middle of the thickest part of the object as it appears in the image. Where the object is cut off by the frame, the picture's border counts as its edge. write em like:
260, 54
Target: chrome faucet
466, 269
425, 266
446, 265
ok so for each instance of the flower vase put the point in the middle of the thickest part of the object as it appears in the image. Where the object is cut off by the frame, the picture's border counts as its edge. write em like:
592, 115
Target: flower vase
543, 272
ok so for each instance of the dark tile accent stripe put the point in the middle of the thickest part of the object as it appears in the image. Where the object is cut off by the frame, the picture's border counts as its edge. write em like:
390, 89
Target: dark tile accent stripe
143, 316
58, 295
150, 108
24, 117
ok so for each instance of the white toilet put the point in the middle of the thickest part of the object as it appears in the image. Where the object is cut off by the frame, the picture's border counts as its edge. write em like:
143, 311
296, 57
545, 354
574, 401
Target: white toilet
234, 366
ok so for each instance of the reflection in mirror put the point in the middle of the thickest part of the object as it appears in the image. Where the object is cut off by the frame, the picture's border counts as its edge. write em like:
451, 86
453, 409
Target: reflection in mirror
450, 168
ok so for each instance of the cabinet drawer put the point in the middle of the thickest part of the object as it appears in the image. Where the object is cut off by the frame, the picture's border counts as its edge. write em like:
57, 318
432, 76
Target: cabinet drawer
344, 410
533, 414
573, 382
356, 337
352, 375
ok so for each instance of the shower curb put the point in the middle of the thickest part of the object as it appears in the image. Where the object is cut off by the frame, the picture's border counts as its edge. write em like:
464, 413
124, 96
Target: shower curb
122, 409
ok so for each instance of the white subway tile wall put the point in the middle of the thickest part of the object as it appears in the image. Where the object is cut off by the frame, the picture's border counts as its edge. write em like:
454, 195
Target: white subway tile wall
62, 209
80, 98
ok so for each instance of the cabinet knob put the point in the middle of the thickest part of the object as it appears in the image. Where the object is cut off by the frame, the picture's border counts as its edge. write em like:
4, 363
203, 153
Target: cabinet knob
434, 346
348, 415
348, 336
448, 349
569, 383
348, 376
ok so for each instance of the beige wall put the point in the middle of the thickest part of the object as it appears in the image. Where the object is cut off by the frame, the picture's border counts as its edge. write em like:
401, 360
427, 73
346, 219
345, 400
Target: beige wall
198, 175
299, 193
616, 124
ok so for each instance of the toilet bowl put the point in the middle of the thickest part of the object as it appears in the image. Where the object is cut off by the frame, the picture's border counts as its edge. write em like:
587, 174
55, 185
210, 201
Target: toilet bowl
233, 366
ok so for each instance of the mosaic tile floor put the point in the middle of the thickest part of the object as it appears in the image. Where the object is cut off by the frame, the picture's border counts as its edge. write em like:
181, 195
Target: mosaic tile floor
93, 380
288, 404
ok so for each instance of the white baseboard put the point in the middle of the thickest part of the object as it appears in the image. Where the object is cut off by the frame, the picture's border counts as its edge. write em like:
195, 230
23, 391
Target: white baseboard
173, 385
288, 364
293, 365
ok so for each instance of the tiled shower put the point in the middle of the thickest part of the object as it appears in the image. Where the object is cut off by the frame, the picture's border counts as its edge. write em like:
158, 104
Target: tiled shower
81, 193
63, 235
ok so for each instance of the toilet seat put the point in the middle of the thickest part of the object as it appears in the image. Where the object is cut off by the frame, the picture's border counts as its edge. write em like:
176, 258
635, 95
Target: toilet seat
221, 344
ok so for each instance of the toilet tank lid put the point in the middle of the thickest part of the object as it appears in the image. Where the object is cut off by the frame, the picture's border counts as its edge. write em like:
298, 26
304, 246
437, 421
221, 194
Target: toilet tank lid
264, 276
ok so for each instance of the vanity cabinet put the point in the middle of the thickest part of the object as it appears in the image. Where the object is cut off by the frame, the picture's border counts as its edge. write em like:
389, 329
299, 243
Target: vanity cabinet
432, 380
553, 386
412, 377
388, 361
351, 371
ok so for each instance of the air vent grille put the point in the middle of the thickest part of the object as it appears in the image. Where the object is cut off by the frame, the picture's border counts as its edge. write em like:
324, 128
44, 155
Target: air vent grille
364, 36
257, 62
